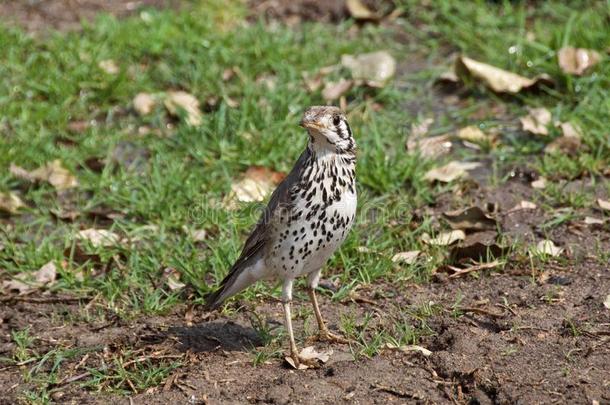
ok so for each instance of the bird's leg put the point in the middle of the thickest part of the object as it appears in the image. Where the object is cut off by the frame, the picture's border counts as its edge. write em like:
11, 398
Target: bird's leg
323, 333
286, 300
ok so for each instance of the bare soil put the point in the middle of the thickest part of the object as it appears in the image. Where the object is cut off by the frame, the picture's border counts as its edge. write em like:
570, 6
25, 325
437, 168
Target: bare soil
64, 15
531, 333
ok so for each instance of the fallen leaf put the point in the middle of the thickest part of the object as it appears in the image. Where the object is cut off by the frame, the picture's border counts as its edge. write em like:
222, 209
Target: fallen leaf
497, 79
539, 184
177, 101
607, 301
570, 130
479, 252
144, 103
419, 130
444, 238
472, 133
524, 205
360, 11
196, 235
78, 126
536, 121
406, 257
334, 90
46, 274
547, 247
17, 285
52, 172
470, 219
256, 183
375, 68
172, 278
565, 144
109, 66
594, 221
310, 358
10, 203
25, 283
451, 171
99, 237
603, 204
409, 349
430, 147
577, 61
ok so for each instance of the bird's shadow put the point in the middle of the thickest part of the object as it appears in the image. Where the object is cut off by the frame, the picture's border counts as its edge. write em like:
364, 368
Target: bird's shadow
216, 335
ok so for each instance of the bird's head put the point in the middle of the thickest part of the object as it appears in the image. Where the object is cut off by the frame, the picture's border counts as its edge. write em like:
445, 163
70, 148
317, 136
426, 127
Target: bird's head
328, 129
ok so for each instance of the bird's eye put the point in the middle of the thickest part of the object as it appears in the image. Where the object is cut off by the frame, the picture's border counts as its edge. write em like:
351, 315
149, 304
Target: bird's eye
336, 120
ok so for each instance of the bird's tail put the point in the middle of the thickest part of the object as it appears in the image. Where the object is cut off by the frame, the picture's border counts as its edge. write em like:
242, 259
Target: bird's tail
214, 299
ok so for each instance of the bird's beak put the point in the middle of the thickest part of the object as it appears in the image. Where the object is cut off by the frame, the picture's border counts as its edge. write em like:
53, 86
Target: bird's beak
308, 124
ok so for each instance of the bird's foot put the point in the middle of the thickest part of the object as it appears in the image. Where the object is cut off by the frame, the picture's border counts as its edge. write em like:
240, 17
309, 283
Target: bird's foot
307, 358
324, 335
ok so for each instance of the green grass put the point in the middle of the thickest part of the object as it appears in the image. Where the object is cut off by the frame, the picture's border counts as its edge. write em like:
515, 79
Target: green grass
52, 81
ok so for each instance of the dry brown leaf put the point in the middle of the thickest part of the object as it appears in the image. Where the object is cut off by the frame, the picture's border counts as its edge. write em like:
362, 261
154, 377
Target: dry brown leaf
144, 103
473, 219
419, 130
539, 184
603, 204
10, 203
409, 349
577, 61
17, 285
172, 278
311, 358
52, 172
472, 133
196, 235
564, 144
570, 130
451, 171
497, 79
593, 221
607, 301
25, 283
479, 252
109, 66
99, 237
177, 101
524, 205
409, 257
46, 275
359, 11
256, 183
444, 238
430, 147
334, 90
375, 68
536, 121
547, 247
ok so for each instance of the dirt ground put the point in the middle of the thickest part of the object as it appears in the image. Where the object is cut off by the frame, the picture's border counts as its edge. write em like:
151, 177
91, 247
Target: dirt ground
38, 15
529, 334
532, 333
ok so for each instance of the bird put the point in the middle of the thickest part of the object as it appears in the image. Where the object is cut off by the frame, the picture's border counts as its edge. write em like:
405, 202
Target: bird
307, 218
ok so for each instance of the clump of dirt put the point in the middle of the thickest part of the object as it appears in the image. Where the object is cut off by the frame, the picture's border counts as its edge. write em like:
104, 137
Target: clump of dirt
64, 15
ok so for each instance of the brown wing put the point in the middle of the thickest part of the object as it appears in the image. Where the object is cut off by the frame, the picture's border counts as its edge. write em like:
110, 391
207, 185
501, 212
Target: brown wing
254, 246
